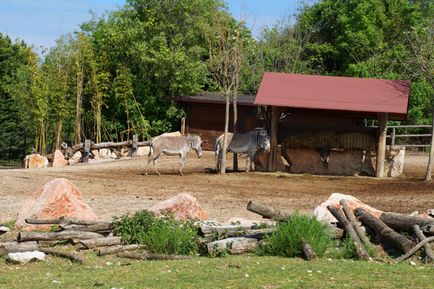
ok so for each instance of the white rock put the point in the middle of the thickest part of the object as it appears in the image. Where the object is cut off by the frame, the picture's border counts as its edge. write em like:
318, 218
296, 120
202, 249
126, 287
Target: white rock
142, 151
25, 257
75, 158
105, 153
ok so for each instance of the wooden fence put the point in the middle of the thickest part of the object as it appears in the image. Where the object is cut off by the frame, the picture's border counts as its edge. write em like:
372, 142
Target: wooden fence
412, 140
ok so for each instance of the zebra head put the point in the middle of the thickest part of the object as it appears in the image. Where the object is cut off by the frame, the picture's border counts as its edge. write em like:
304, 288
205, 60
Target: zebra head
324, 153
263, 140
196, 144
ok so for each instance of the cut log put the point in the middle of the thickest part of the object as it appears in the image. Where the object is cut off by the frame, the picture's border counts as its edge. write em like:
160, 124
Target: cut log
150, 256
428, 252
53, 236
350, 216
382, 230
428, 229
101, 242
256, 233
4, 229
118, 248
228, 229
69, 256
97, 227
404, 222
60, 221
233, 245
308, 252
414, 249
266, 211
14, 247
107, 145
349, 229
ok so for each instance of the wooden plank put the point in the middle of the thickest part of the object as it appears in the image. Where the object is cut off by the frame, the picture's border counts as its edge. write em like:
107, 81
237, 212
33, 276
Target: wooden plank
273, 145
381, 145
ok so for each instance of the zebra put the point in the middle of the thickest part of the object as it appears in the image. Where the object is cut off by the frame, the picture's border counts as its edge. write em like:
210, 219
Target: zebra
174, 145
248, 142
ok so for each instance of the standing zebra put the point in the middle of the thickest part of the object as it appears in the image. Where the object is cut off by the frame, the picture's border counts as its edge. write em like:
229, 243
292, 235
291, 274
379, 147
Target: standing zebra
248, 142
174, 145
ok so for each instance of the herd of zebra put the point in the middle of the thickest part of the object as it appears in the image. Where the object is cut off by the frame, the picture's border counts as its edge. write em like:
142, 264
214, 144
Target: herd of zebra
240, 143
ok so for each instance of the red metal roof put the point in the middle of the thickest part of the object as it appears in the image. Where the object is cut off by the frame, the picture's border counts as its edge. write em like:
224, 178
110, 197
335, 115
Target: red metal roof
364, 95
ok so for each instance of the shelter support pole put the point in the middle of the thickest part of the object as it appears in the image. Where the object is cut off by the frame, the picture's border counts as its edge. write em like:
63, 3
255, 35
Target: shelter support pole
183, 125
273, 148
381, 146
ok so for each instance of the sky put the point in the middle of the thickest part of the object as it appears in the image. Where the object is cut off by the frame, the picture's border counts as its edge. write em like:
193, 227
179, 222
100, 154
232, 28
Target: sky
41, 22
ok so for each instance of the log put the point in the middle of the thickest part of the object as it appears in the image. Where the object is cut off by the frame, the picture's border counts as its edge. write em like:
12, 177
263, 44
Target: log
228, 229
233, 245
350, 216
150, 256
97, 227
428, 252
14, 247
101, 242
414, 249
384, 231
255, 233
349, 229
308, 252
428, 229
118, 248
4, 229
53, 236
404, 222
106, 145
69, 256
60, 221
266, 211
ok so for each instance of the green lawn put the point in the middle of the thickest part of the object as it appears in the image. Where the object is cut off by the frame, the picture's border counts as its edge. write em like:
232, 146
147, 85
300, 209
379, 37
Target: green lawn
231, 272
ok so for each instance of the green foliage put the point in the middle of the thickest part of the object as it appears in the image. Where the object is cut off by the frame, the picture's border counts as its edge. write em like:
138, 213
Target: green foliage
160, 235
286, 241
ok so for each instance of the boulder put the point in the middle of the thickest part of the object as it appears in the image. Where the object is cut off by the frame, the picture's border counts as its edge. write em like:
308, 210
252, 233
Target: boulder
95, 154
105, 153
57, 198
59, 159
183, 207
75, 159
175, 133
322, 213
25, 257
35, 161
143, 151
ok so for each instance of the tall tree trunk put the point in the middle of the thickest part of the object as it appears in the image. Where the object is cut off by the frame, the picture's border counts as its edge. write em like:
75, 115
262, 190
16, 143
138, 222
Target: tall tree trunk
225, 137
79, 78
58, 134
235, 108
97, 115
428, 175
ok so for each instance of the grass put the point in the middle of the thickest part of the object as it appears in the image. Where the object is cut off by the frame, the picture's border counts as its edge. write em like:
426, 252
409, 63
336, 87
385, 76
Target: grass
200, 272
286, 241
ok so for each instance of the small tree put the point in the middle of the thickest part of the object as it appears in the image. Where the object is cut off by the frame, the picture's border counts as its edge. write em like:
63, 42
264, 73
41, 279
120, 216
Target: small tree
225, 60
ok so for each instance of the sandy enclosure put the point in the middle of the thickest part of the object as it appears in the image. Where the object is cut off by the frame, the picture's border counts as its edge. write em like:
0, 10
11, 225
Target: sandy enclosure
117, 187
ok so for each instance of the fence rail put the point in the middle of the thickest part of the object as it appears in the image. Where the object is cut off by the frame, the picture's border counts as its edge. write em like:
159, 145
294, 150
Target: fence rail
394, 135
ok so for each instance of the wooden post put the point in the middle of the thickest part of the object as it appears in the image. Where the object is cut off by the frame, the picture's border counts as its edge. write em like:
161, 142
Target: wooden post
273, 145
381, 146
392, 143
183, 125
428, 174
134, 146
86, 151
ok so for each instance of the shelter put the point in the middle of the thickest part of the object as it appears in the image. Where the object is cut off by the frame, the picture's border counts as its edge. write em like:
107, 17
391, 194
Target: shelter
325, 112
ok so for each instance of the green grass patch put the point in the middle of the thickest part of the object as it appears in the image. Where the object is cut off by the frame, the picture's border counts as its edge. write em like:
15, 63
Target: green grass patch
235, 272
159, 234
286, 241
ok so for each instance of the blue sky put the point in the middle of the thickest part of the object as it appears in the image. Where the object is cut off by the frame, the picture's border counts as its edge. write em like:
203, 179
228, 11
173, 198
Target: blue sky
41, 22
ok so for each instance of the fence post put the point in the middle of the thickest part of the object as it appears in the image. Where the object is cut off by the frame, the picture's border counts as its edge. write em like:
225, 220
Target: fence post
183, 125
86, 151
134, 146
392, 143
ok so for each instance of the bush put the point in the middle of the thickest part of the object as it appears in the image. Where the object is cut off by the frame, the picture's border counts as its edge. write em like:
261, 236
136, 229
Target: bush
160, 235
286, 241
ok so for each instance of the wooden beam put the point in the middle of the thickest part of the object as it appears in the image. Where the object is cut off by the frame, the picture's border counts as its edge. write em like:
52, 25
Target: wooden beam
381, 145
183, 125
273, 148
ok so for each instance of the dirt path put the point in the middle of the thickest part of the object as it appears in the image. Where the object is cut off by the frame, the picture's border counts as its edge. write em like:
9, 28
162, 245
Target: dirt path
117, 187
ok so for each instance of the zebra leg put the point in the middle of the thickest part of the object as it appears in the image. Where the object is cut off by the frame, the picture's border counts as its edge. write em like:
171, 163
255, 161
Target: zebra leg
154, 158
182, 161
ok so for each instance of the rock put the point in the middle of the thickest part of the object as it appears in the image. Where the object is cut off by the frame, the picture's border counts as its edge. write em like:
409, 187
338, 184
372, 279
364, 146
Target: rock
105, 153
76, 158
253, 223
183, 207
57, 198
59, 159
25, 257
175, 133
430, 212
113, 155
95, 154
126, 152
4, 229
142, 151
394, 161
322, 213
35, 161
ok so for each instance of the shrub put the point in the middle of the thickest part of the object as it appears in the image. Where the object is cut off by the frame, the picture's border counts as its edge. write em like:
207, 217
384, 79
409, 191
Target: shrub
160, 235
286, 241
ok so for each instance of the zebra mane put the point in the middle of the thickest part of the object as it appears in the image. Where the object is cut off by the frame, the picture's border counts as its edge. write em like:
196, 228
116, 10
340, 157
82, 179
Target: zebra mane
193, 139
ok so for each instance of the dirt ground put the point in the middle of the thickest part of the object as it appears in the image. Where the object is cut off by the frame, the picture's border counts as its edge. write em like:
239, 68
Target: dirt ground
117, 187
